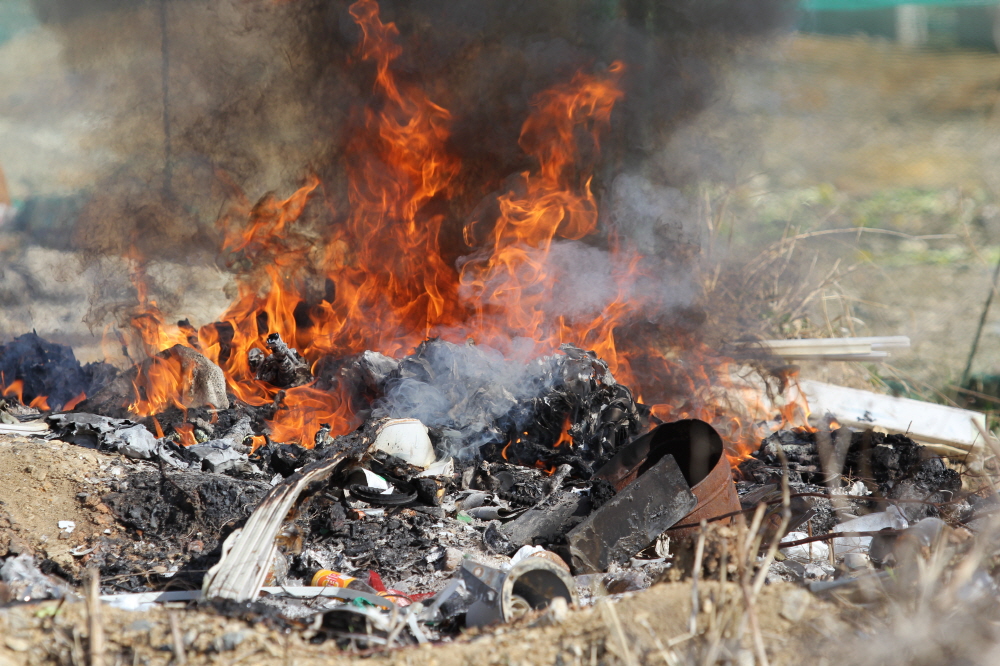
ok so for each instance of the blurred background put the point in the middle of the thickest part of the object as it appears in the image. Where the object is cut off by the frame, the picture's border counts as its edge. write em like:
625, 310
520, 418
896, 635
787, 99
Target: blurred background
851, 157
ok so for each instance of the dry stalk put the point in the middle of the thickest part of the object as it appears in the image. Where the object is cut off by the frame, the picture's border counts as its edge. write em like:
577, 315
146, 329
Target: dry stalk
611, 617
930, 573
994, 446
752, 535
77, 652
786, 515
699, 552
178, 639
750, 592
666, 653
758, 639
729, 615
94, 618
720, 620
970, 563
831, 456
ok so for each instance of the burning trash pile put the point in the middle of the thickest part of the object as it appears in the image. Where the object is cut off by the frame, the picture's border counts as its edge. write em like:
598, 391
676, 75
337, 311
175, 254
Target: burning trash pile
411, 421
522, 485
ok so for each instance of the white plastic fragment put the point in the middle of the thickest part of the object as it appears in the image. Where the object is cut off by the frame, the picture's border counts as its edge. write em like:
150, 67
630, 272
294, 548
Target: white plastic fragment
892, 518
217, 455
143, 601
856, 561
524, 552
134, 442
441, 468
25, 582
407, 439
471, 500
817, 551
67, 526
856, 489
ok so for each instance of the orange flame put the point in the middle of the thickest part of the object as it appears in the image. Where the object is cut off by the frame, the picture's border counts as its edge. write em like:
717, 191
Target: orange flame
564, 436
388, 285
186, 433
160, 385
16, 390
73, 402
41, 403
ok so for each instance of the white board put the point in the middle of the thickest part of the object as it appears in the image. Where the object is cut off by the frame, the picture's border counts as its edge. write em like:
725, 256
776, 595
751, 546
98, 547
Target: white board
923, 421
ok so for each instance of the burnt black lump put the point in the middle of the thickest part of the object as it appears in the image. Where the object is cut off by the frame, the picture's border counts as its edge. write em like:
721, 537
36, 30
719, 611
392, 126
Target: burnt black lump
893, 466
284, 367
50, 370
600, 492
174, 505
561, 409
575, 390
903, 470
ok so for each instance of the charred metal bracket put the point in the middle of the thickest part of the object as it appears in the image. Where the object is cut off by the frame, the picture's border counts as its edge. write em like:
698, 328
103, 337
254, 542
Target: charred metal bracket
546, 521
632, 519
694, 444
531, 584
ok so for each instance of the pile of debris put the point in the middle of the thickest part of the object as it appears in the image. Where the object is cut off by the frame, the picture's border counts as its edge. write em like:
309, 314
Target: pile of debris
475, 491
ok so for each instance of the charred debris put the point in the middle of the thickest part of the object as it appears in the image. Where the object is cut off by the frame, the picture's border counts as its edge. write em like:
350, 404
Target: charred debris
475, 490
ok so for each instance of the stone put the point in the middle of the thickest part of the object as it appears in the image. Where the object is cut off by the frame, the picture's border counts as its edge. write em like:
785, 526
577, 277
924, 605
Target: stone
452, 558
17, 644
134, 442
229, 641
794, 604
208, 382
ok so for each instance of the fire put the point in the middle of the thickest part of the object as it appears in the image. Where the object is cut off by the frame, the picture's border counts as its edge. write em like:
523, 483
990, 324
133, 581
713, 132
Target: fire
73, 402
376, 277
186, 433
509, 284
564, 436
16, 390
159, 385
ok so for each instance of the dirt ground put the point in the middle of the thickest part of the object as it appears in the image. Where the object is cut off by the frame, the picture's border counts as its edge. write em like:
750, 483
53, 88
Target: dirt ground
43, 483
639, 629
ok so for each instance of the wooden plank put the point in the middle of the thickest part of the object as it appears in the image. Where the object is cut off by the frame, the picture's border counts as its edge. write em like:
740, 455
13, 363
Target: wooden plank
29, 428
923, 421
830, 349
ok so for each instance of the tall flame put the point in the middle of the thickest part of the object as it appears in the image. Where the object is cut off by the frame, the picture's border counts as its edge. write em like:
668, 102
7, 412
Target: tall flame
389, 286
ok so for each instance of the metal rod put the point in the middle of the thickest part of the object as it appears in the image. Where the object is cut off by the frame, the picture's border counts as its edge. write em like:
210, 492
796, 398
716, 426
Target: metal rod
165, 86
979, 329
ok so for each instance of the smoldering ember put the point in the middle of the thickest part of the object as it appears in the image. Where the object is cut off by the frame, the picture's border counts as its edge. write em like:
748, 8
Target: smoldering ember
402, 334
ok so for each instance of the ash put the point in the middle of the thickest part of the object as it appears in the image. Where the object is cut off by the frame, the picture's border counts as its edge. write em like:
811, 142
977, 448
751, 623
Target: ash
891, 467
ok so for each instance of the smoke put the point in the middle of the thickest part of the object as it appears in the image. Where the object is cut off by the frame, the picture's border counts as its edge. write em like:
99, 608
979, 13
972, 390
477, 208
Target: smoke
206, 106
192, 97
472, 396
461, 390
